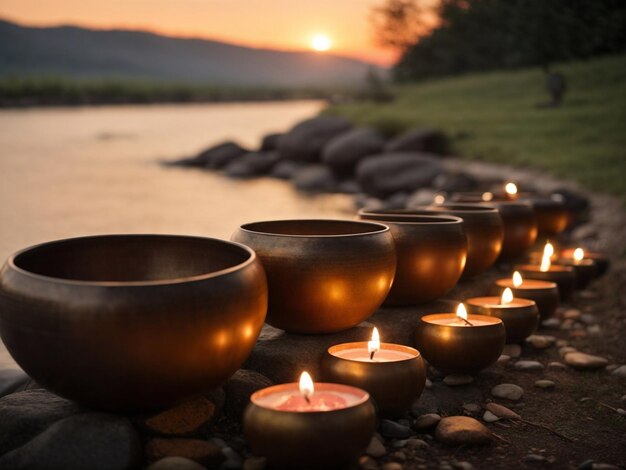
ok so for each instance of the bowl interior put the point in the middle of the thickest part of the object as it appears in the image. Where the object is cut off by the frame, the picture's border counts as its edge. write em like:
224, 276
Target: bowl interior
131, 258
313, 228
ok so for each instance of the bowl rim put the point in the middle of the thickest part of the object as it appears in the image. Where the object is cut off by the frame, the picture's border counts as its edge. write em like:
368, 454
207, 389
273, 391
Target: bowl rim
443, 219
382, 228
10, 262
463, 207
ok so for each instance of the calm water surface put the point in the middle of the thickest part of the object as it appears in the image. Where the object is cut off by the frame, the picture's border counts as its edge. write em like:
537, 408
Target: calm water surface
69, 172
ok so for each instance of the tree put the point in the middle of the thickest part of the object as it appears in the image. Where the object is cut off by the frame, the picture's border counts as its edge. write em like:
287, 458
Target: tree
397, 24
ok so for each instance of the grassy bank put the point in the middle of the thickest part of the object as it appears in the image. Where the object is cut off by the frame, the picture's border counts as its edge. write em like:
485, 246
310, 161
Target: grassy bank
495, 117
41, 91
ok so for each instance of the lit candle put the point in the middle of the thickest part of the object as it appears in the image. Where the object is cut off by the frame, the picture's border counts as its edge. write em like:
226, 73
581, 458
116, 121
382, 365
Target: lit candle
563, 276
312, 419
520, 316
585, 268
511, 191
458, 342
601, 260
393, 374
544, 293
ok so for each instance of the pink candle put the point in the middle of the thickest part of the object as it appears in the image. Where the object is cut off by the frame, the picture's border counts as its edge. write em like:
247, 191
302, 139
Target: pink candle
386, 353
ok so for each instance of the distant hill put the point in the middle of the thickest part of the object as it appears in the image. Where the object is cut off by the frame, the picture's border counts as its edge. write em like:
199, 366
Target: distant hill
79, 53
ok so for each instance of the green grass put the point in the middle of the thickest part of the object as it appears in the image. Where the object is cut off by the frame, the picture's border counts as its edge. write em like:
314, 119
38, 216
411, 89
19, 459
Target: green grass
494, 117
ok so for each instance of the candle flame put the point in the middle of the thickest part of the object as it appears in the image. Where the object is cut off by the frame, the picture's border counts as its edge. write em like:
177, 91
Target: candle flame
461, 312
487, 196
579, 254
439, 199
511, 189
507, 297
548, 251
374, 345
517, 279
306, 385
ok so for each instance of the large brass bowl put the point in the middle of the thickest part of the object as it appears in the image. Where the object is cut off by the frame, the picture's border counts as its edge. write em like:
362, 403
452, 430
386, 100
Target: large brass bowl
520, 227
129, 322
323, 275
431, 254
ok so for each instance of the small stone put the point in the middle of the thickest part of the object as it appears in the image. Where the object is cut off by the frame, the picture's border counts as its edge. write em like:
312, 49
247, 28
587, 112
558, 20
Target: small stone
594, 330
621, 411
399, 456
540, 341
584, 361
534, 458
203, 452
392, 429
458, 379
543, 383
556, 365
489, 417
429, 383
528, 365
561, 343
571, 314
462, 430
367, 463
415, 443
509, 391
471, 408
254, 463
183, 419
503, 360
392, 466
512, 350
567, 324
399, 444
611, 367
620, 372
463, 466
623, 399
426, 421
551, 323
502, 411
375, 448
588, 318
176, 463
566, 350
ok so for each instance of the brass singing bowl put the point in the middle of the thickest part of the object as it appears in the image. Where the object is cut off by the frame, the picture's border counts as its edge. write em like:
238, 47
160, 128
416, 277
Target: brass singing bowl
601, 260
552, 216
431, 251
131, 322
544, 293
519, 321
324, 276
563, 276
484, 230
520, 227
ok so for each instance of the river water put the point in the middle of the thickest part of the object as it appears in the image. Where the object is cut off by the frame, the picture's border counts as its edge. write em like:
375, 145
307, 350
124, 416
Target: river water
69, 172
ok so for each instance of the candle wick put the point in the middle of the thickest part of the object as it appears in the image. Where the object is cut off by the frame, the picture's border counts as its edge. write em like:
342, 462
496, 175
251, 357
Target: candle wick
372, 355
467, 321
308, 400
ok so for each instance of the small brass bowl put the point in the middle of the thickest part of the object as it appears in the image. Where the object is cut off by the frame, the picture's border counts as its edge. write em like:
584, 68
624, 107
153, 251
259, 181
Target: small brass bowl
585, 269
309, 440
563, 276
393, 385
520, 227
552, 216
131, 322
431, 254
324, 276
520, 317
484, 230
544, 293
460, 349
602, 261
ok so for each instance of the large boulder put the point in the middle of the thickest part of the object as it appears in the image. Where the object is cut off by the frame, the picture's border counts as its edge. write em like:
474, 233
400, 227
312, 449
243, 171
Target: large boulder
217, 156
385, 174
345, 151
270, 142
419, 140
315, 179
285, 169
305, 141
252, 164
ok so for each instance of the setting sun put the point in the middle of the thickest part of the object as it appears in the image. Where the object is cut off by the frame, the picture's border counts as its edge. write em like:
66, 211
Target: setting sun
321, 43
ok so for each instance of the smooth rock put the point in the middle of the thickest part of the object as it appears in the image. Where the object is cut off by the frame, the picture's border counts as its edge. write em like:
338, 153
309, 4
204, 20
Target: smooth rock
462, 430
503, 360
528, 366
489, 417
583, 361
399, 444
463, 466
429, 383
566, 350
391, 429
217, 156
314, 178
415, 443
285, 169
344, 152
367, 463
544, 383
24, 415
305, 141
239, 388
254, 463
620, 372
270, 141
183, 419
588, 318
458, 379
426, 421
594, 330
508, 391
398, 456
457, 181
534, 458
197, 450
512, 350
251, 164
471, 408
12, 380
392, 466
385, 174
540, 341
501, 411
419, 140
551, 323
572, 314
175, 463
88, 440
375, 448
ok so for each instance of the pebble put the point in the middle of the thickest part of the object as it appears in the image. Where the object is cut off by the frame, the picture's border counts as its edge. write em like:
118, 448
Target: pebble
534, 458
176, 463
183, 419
489, 417
571, 314
588, 318
594, 330
556, 365
203, 452
415, 443
567, 324
566, 350
621, 411
462, 430
501, 411
509, 391
399, 456
392, 466
623, 399
463, 466
375, 448
429, 383
458, 379
561, 343
254, 463
392, 429
528, 365
367, 463
426, 421
512, 350
551, 323
584, 361
399, 444
540, 341
585, 399
543, 383
472, 408
503, 360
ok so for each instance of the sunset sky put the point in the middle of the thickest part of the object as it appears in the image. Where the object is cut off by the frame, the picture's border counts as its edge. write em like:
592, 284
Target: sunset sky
277, 24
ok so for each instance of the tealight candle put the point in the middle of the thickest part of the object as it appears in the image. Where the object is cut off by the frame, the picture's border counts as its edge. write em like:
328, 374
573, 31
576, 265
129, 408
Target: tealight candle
601, 260
460, 343
544, 293
510, 191
393, 374
307, 425
563, 276
584, 268
520, 316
